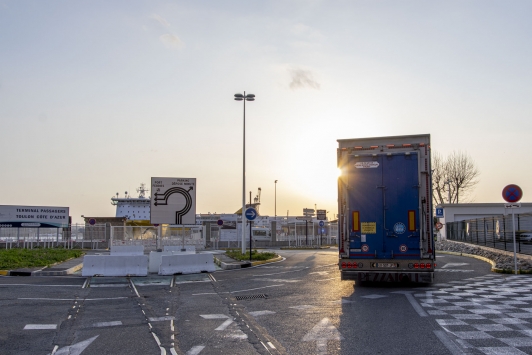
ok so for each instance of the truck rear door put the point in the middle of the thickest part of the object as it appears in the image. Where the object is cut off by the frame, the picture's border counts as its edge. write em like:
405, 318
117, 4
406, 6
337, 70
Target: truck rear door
384, 206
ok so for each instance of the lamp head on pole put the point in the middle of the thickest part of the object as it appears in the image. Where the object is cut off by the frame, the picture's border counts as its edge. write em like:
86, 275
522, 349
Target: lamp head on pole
248, 97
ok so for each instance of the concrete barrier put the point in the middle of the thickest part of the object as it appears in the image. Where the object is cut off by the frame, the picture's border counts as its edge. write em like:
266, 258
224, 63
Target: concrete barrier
155, 260
189, 248
115, 265
127, 249
186, 264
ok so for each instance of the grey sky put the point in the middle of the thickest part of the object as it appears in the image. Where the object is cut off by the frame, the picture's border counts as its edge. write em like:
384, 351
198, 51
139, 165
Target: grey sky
98, 96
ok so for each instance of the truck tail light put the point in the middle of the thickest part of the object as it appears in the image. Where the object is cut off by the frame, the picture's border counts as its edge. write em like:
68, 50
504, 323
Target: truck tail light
349, 265
343, 265
421, 266
416, 266
355, 265
428, 265
411, 221
356, 221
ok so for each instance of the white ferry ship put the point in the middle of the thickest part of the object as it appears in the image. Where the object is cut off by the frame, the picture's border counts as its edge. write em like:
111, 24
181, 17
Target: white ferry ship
136, 210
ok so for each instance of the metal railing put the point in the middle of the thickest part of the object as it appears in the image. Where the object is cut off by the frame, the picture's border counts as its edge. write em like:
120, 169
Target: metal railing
74, 236
153, 238
495, 232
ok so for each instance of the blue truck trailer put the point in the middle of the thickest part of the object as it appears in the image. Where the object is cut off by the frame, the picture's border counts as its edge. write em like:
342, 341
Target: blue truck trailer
385, 209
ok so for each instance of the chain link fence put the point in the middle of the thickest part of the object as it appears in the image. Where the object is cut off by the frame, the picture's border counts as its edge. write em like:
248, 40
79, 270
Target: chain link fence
495, 232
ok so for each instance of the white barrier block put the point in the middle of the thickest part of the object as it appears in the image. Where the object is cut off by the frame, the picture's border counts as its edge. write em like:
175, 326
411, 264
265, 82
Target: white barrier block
189, 248
186, 264
155, 260
127, 249
115, 265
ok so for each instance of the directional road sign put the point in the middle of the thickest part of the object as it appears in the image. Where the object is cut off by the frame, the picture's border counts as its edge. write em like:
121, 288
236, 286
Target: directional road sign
439, 212
173, 201
251, 213
512, 193
321, 223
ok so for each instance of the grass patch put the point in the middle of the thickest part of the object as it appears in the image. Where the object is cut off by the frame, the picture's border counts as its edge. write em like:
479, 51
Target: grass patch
255, 255
21, 258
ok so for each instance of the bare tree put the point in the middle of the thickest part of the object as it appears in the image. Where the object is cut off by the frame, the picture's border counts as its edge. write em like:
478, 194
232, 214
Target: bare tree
453, 178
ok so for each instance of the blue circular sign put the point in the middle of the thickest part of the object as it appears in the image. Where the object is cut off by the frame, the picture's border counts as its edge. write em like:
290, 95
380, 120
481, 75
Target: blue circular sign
322, 223
399, 228
512, 193
251, 213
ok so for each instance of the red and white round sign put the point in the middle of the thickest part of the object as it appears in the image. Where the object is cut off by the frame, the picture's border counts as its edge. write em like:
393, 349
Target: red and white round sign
365, 247
403, 248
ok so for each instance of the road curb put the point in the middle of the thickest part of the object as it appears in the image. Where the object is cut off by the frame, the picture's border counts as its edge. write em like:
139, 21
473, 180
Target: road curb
260, 262
489, 261
68, 271
244, 264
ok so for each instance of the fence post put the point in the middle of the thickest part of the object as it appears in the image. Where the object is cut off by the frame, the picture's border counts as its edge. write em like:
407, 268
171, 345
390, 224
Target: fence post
504, 230
485, 231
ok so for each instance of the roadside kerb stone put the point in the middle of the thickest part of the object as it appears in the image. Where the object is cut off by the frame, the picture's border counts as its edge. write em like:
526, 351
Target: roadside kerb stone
227, 263
502, 261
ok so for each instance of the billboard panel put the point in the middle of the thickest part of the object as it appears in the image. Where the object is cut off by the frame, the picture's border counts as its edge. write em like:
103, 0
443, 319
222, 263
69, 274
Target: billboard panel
173, 201
33, 216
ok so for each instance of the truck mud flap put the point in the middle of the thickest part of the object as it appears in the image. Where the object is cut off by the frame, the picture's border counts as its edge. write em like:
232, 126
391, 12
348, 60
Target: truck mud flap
388, 277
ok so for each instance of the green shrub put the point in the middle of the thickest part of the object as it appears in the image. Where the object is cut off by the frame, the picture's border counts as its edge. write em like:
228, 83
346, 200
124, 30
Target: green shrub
255, 255
20, 258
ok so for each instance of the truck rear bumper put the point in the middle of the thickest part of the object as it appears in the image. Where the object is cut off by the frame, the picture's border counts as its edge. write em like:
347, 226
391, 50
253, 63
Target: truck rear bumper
361, 276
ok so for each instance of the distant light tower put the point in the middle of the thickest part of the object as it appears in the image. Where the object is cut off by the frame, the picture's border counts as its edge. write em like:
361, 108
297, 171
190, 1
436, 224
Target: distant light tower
276, 200
240, 97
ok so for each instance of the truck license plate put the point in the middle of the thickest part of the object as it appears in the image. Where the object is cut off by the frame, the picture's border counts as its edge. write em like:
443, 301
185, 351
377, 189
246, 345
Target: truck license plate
387, 265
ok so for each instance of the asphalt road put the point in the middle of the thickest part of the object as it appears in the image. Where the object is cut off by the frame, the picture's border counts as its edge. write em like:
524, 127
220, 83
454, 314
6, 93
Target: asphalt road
296, 306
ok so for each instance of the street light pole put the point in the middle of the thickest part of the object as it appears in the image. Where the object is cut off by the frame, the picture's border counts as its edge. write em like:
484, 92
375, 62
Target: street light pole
240, 97
276, 200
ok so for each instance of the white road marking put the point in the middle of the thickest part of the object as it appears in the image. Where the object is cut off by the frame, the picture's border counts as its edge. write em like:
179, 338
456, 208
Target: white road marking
108, 285
86, 282
40, 326
260, 313
279, 273
161, 319
107, 324
134, 288
448, 343
319, 273
213, 316
321, 333
452, 265
76, 349
417, 307
277, 280
224, 325
195, 350
271, 345
374, 296
251, 289
73, 299
303, 307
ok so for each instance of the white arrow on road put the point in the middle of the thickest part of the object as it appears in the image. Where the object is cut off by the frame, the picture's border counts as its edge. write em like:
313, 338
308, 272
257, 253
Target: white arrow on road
451, 265
75, 349
321, 333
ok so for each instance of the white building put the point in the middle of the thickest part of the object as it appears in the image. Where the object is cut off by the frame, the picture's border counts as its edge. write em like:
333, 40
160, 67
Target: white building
454, 212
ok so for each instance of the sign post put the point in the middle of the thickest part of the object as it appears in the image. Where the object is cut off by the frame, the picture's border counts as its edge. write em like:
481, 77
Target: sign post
512, 194
251, 214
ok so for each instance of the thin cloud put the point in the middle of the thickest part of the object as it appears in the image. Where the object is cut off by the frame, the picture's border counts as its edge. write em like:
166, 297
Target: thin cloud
161, 20
171, 41
302, 79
